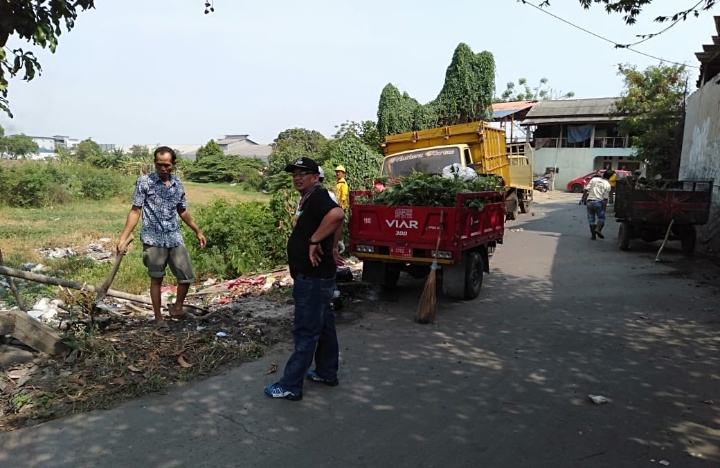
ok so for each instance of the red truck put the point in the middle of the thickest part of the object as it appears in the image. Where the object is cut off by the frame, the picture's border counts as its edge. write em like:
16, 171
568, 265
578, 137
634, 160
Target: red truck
392, 239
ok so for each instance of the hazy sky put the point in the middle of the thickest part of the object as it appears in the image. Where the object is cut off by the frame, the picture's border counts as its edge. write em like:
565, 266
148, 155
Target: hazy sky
146, 71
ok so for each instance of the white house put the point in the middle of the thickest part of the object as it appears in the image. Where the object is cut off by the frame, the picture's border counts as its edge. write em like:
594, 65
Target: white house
576, 136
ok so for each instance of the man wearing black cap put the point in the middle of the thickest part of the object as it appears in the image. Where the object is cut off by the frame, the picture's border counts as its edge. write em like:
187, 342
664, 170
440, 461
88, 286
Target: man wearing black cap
313, 258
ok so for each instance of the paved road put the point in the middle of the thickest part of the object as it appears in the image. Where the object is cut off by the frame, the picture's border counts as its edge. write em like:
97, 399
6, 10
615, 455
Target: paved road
502, 381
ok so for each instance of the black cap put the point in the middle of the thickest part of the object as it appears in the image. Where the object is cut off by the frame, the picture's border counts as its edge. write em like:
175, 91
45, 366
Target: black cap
305, 164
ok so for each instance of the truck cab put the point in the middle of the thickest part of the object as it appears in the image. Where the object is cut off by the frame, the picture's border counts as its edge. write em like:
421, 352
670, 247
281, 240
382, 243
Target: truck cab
429, 160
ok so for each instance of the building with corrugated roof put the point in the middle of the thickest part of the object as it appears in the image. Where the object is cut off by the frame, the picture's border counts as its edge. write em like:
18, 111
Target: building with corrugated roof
575, 136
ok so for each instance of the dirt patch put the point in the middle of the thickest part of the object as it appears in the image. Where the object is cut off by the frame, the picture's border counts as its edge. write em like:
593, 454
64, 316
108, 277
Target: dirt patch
120, 354
126, 357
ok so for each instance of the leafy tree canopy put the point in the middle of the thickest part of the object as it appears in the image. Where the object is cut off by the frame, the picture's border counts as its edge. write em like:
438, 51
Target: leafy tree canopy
210, 150
361, 162
300, 139
653, 103
87, 150
524, 92
465, 97
631, 9
139, 152
367, 131
17, 146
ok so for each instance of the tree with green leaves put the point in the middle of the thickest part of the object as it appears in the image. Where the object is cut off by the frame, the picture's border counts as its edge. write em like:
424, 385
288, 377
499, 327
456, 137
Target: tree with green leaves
466, 95
139, 152
210, 150
361, 162
631, 9
524, 92
87, 150
18, 146
289, 145
469, 87
366, 131
300, 139
39, 22
653, 107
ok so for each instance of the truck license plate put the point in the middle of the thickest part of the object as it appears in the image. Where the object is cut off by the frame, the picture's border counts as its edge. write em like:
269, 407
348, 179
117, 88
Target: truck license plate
405, 252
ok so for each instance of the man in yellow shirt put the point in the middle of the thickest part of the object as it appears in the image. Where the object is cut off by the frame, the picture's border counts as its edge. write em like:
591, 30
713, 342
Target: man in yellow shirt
613, 183
342, 192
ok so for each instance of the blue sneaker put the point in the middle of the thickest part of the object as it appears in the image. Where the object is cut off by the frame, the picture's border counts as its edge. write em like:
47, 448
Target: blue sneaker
276, 391
313, 376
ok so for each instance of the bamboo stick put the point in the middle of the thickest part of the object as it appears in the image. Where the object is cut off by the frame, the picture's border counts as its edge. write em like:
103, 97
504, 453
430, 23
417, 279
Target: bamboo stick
38, 278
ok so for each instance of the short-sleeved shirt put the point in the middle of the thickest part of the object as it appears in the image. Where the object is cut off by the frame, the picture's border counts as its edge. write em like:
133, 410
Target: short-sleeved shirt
314, 209
332, 197
160, 205
598, 188
342, 193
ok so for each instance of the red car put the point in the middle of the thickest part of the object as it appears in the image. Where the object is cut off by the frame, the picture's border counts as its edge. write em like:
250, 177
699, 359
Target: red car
577, 185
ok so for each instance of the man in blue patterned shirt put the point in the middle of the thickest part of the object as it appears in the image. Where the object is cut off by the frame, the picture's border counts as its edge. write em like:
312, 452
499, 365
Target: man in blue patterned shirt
159, 198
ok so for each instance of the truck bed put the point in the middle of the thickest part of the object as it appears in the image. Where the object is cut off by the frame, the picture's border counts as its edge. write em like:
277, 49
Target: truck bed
685, 202
410, 233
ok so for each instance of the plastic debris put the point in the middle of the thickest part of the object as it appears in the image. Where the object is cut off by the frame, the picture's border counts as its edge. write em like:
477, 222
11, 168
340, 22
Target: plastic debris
664, 462
221, 334
598, 399
54, 252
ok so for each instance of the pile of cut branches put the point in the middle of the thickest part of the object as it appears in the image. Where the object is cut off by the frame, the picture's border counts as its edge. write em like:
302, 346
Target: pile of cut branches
421, 189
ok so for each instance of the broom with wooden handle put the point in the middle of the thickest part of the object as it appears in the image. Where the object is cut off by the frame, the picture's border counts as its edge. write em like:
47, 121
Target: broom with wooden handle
428, 301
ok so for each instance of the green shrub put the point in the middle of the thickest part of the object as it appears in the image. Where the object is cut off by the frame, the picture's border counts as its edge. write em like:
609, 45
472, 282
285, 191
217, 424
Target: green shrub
32, 184
242, 237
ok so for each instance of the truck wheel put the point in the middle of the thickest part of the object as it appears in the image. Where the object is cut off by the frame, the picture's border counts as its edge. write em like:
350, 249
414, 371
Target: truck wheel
688, 240
624, 235
391, 278
473, 275
525, 206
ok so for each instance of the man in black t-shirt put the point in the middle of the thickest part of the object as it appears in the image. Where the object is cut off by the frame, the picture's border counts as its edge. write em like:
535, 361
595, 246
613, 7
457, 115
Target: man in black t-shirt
313, 259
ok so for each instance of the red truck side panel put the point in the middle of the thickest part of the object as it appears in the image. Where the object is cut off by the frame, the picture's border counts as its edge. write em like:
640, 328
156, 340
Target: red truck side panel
411, 232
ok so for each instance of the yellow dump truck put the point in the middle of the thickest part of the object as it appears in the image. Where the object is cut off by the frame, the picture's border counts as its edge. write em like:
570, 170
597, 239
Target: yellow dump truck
475, 145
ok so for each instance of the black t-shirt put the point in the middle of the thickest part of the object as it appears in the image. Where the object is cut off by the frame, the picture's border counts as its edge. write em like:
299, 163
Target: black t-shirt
313, 211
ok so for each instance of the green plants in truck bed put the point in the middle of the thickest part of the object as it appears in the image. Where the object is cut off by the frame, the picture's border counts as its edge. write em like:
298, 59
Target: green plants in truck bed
421, 189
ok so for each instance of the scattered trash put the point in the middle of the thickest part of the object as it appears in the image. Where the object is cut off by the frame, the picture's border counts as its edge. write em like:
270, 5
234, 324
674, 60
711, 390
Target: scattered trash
598, 399
221, 334
104, 239
695, 454
28, 266
708, 402
56, 253
273, 368
664, 462
98, 253
200, 328
209, 282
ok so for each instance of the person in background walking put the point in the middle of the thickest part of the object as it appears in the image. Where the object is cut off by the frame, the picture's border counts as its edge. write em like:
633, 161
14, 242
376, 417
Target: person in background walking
342, 191
159, 199
613, 183
595, 196
313, 259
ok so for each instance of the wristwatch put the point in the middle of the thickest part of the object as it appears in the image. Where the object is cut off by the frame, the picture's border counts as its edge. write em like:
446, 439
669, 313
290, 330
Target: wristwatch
313, 243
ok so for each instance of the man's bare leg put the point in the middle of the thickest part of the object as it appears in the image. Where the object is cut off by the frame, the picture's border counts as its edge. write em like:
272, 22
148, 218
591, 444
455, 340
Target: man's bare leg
156, 298
182, 290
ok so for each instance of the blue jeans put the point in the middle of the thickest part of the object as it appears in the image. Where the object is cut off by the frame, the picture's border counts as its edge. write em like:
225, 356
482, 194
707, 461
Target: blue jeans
595, 208
313, 333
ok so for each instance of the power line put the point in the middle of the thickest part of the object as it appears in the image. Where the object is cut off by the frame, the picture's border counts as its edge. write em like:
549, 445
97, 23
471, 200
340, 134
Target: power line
681, 17
616, 44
